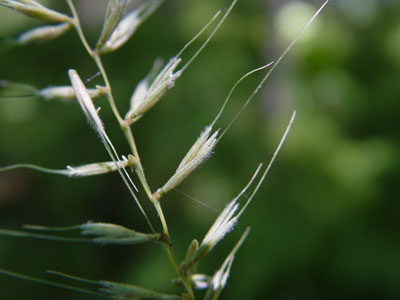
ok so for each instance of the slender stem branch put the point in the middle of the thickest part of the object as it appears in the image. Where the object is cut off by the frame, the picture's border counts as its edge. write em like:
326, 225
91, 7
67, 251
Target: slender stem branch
78, 27
34, 167
110, 97
126, 129
131, 141
125, 177
170, 252
96, 57
175, 265
168, 246
138, 167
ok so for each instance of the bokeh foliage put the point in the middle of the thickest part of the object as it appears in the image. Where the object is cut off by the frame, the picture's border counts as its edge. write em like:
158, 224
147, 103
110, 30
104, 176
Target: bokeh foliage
325, 224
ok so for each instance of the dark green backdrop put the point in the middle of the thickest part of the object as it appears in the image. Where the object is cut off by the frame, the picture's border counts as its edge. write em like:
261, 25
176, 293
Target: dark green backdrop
325, 223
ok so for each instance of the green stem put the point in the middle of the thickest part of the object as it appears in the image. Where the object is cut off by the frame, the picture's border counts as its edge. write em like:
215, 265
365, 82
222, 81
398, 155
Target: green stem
138, 166
139, 171
131, 141
168, 246
34, 167
78, 27
125, 176
96, 57
109, 95
171, 254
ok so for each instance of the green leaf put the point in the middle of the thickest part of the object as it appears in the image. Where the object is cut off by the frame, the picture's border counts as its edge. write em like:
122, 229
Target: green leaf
121, 290
24, 234
51, 283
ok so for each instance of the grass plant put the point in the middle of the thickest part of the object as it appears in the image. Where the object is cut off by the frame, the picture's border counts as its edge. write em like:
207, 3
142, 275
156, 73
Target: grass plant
120, 22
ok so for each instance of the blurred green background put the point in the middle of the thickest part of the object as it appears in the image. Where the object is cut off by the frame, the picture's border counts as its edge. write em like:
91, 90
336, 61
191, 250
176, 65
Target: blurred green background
325, 223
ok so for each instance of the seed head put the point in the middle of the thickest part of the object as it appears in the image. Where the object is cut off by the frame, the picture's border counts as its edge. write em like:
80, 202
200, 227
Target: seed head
86, 102
43, 33
100, 168
67, 92
222, 225
198, 153
115, 234
218, 281
221, 276
35, 10
225, 222
146, 95
128, 25
106, 229
114, 13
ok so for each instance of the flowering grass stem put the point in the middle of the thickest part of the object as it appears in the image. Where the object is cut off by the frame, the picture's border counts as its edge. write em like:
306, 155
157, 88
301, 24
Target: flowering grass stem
117, 29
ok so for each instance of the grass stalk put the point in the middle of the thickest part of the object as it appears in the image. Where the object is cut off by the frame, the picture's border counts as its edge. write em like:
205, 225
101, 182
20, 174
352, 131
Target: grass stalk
199, 152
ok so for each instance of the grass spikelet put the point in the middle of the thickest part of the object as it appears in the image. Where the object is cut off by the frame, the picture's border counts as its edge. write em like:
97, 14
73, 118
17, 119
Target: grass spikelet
36, 10
86, 103
43, 33
197, 154
128, 25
